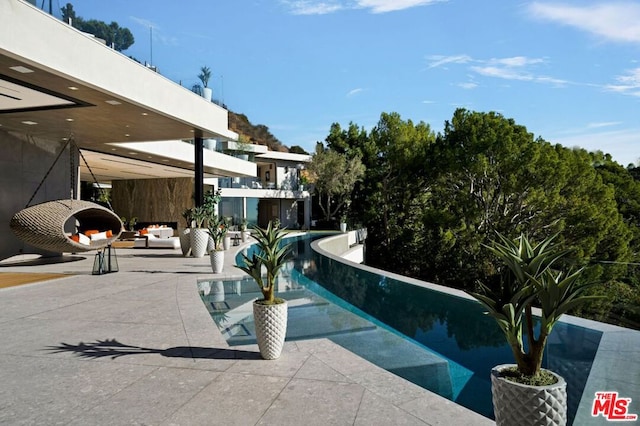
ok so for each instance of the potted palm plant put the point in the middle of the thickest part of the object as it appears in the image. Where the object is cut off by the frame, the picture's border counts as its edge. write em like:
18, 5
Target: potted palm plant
533, 275
204, 76
218, 228
270, 312
199, 235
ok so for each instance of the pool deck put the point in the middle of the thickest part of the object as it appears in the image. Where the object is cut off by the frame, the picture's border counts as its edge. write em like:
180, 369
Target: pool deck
139, 347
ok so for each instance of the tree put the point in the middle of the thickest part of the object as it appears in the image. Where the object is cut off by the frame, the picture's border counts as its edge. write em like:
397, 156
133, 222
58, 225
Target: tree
390, 198
493, 176
334, 176
297, 149
114, 35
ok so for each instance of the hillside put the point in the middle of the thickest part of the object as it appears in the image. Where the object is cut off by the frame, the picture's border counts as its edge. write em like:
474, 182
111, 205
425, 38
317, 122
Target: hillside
256, 134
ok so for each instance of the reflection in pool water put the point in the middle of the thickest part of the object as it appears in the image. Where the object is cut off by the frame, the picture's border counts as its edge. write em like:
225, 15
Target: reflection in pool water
439, 341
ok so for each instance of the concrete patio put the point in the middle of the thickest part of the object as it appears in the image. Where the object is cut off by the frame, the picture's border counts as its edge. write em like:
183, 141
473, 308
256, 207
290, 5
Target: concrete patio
139, 347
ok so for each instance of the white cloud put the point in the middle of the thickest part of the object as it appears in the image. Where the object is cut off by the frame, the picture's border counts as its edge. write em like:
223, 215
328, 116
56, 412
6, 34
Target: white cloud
310, 7
383, 6
603, 124
440, 60
354, 92
627, 84
144, 22
316, 7
615, 21
621, 144
506, 73
468, 85
516, 61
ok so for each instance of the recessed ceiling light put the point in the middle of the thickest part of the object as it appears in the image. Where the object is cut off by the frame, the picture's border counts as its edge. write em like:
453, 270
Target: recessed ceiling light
65, 139
29, 122
166, 160
144, 113
113, 149
21, 69
113, 102
69, 119
127, 134
133, 153
73, 88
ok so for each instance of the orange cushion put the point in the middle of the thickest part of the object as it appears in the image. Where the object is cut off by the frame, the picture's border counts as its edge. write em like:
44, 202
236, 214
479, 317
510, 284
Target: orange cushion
144, 231
76, 238
109, 233
92, 231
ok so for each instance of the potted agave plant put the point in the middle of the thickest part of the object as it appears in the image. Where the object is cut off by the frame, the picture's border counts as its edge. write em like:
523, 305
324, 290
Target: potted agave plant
218, 228
535, 275
244, 230
185, 237
270, 312
199, 235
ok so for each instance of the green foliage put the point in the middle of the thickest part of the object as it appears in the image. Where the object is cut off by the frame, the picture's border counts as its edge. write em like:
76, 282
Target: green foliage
187, 214
256, 134
121, 38
390, 198
218, 228
209, 203
271, 254
204, 76
430, 201
533, 275
334, 175
199, 216
297, 149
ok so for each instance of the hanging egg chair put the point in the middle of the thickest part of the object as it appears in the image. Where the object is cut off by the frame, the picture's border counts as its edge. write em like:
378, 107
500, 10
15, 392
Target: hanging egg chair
66, 226
43, 226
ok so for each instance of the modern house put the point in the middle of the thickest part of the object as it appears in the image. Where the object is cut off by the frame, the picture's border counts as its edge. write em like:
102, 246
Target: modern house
275, 192
61, 89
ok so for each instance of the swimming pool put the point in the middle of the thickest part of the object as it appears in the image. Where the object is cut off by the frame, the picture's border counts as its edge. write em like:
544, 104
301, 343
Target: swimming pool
439, 341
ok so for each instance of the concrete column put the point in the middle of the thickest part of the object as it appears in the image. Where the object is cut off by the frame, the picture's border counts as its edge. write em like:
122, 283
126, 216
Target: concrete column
199, 170
244, 207
307, 213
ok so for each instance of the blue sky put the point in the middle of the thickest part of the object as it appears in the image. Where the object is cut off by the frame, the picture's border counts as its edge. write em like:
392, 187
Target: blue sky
569, 71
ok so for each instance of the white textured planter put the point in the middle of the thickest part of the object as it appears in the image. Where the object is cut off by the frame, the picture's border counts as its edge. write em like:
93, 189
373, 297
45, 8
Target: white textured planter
226, 242
199, 241
271, 328
185, 242
245, 235
524, 405
217, 260
207, 93
217, 291
343, 227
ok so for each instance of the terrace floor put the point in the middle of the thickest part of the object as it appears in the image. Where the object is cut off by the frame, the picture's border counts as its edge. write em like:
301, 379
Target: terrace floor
139, 347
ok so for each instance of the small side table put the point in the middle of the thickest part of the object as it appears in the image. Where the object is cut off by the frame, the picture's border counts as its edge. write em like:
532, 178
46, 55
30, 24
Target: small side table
105, 261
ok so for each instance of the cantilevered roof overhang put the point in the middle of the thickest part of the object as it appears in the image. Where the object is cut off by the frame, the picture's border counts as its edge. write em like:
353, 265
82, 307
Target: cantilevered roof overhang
57, 82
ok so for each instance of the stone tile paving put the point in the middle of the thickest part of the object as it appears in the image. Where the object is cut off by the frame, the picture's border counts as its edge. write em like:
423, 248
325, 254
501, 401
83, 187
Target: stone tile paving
139, 347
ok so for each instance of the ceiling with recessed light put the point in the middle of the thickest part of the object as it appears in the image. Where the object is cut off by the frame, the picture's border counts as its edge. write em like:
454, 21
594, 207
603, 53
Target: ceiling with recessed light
52, 99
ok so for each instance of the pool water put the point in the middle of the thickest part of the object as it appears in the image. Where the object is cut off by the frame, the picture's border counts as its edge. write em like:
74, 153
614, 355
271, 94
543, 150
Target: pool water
436, 340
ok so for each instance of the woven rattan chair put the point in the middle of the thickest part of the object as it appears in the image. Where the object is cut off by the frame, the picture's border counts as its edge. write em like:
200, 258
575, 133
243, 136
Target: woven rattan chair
43, 225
